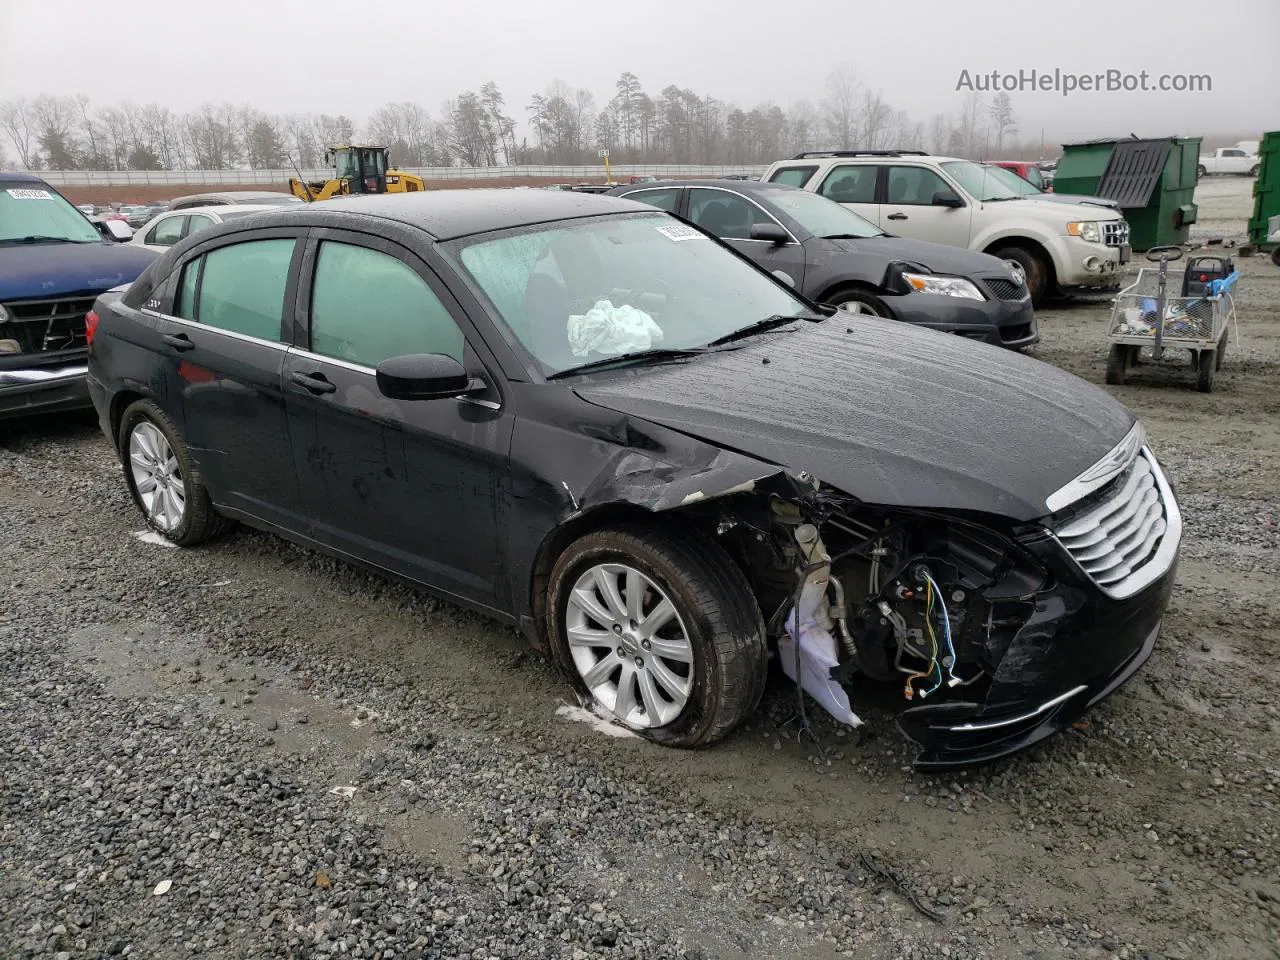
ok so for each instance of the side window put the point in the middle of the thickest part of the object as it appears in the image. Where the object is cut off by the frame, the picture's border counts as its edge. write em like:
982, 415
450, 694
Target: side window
185, 306
241, 287
1034, 178
725, 214
851, 184
367, 306
793, 176
914, 186
199, 222
666, 200
167, 232
1233, 153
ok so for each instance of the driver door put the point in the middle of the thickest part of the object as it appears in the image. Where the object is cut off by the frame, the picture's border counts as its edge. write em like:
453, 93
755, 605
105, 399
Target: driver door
730, 216
413, 487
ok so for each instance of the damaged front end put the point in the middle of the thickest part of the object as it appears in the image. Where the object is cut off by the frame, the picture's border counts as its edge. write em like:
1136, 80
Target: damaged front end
996, 635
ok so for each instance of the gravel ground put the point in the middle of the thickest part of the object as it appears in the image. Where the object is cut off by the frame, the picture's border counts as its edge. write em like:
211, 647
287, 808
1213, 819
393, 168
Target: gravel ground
249, 750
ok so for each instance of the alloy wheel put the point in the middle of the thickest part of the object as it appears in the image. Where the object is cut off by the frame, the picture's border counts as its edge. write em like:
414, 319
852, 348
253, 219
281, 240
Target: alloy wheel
157, 475
858, 307
629, 645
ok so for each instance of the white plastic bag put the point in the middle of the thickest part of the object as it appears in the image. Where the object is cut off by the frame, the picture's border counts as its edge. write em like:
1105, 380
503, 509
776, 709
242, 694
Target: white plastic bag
612, 330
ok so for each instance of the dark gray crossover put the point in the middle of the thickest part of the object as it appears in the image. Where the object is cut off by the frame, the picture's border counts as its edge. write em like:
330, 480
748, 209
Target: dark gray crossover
589, 419
832, 255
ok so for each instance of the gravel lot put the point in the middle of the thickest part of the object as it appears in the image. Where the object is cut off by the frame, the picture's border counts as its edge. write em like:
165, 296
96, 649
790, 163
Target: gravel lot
249, 750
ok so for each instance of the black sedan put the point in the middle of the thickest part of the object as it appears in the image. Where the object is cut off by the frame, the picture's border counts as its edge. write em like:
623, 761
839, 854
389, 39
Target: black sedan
834, 256
587, 418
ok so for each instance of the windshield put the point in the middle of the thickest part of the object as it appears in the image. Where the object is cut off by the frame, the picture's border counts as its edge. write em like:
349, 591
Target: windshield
980, 180
1023, 188
39, 212
820, 216
578, 291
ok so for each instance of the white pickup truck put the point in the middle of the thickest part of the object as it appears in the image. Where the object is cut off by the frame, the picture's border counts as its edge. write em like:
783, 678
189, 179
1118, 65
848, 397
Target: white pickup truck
1229, 160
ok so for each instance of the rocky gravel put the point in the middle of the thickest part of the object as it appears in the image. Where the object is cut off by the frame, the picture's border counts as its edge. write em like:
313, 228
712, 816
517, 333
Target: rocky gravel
250, 750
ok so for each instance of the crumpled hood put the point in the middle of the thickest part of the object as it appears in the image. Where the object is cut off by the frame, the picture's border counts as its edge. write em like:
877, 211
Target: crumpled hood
40, 271
889, 413
936, 257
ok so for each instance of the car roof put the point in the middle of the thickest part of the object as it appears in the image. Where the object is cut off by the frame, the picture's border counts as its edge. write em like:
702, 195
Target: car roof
220, 209
13, 176
447, 214
234, 196
741, 186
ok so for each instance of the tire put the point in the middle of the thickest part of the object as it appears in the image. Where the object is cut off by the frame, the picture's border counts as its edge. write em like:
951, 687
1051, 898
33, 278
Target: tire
142, 428
1221, 353
1253, 171
1275, 256
1118, 363
1033, 265
1205, 369
1200, 172
714, 610
855, 300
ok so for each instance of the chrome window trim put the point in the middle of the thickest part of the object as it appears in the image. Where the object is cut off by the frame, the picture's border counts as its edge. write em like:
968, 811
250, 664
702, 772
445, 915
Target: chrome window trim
1115, 461
244, 337
1166, 552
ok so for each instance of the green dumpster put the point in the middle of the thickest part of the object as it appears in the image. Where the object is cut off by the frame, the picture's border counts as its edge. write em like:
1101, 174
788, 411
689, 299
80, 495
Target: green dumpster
1153, 181
1266, 191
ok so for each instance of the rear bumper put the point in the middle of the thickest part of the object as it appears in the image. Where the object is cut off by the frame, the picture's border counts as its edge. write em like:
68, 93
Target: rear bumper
46, 389
1001, 323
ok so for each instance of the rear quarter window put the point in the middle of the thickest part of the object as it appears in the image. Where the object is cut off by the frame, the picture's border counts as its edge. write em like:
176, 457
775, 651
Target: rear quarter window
793, 176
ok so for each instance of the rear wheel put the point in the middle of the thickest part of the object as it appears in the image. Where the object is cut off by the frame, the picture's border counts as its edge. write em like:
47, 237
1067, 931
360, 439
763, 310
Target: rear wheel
857, 301
1253, 171
1119, 360
1275, 256
1200, 172
1205, 370
662, 631
163, 479
1033, 266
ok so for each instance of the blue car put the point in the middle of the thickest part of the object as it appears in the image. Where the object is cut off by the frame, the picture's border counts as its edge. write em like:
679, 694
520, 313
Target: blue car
53, 264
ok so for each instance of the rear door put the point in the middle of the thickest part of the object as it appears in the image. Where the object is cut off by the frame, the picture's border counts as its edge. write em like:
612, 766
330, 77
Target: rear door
908, 209
854, 186
730, 216
411, 486
224, 339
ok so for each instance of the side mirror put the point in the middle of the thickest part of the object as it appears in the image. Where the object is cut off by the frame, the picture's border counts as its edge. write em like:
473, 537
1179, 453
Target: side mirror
116, 230
423, 376
769, 232
785, 278
947, 198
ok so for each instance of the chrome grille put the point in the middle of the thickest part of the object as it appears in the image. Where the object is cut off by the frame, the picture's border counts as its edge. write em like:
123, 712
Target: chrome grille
1115, 233
1115, 536
47, 325
1005, 289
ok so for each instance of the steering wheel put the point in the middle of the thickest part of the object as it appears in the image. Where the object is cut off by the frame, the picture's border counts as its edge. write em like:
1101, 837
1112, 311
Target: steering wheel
657, 288
1173, 253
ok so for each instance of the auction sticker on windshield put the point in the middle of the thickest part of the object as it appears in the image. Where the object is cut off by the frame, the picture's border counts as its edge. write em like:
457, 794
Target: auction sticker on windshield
678, 232
19, 194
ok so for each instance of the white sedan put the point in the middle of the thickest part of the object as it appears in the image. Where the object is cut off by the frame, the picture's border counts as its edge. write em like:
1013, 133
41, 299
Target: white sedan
162, 232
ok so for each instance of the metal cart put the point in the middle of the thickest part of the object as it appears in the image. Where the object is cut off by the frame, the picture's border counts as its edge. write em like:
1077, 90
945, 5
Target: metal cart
1195, 316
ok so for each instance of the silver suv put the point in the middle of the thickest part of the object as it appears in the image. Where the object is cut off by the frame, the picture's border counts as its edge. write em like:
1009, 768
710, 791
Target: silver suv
1059, 246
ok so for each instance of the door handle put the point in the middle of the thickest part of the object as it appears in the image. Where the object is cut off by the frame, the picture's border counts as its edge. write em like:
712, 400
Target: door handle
897, 216
315, 382
179, 341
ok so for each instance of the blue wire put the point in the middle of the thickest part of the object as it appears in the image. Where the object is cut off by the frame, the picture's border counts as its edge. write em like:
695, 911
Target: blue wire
946, 629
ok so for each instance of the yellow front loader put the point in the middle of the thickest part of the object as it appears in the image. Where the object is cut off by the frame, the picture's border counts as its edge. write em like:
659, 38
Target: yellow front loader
357, 169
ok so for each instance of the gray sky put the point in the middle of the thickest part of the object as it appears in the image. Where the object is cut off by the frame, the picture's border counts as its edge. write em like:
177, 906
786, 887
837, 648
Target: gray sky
342, 56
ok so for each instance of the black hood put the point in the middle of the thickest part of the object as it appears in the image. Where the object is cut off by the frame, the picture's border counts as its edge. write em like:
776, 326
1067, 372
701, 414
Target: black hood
935, 257
889, 413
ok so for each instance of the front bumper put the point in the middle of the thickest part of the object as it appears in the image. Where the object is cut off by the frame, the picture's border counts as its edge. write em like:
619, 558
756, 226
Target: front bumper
1089, 266
45, 388
1077, 648
1002, 323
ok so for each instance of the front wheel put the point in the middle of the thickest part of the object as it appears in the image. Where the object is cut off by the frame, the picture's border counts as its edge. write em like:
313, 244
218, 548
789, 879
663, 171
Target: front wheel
1118, 361
163, 479
1033, 267
1253, 171
660, 630
856, 301
1206, 367
1200, 172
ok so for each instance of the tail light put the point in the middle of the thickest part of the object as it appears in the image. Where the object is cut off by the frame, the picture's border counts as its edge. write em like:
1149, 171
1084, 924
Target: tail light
90, 326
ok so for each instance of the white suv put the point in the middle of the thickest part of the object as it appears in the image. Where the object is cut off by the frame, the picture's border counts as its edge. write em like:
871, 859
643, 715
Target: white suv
1059, 246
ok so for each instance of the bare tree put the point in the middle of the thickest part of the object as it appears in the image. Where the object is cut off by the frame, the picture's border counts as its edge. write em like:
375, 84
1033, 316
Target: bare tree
840, 107
875, 115
939, 133
17, 120
971, 133
1003, 120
